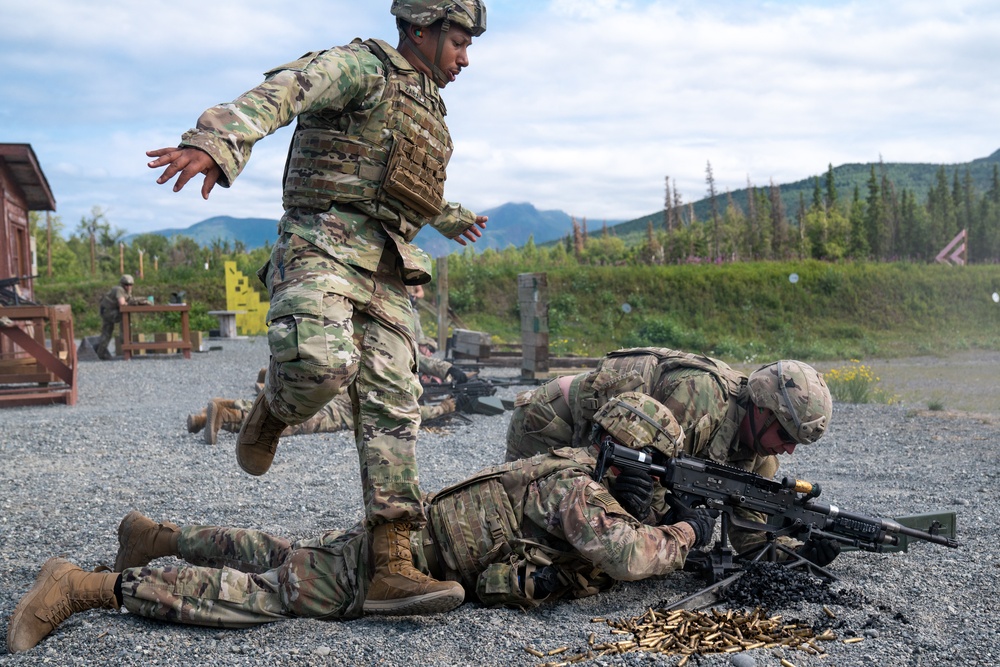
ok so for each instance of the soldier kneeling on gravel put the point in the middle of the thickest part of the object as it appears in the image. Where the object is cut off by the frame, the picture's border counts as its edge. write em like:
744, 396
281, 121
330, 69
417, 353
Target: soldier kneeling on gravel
726, 416
571, 538
229, 414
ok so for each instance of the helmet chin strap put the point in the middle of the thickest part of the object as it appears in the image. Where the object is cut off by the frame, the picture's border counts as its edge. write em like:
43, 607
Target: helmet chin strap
436, 72
757, 447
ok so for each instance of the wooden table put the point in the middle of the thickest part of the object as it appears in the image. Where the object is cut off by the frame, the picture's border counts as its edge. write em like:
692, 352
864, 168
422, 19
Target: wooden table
37, 355
184, 344
227, 322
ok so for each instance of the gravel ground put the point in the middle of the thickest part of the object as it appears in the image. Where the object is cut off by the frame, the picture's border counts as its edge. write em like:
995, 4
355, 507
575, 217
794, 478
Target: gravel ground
70, 473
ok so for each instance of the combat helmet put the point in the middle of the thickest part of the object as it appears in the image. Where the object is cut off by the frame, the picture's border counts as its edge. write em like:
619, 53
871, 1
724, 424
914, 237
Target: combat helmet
638, 422
797, 395
126, 279
470, 14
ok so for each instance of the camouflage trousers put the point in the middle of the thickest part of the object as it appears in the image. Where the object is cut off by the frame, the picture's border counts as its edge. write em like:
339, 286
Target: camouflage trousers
335, 328
107, 333
337, 415
239, 578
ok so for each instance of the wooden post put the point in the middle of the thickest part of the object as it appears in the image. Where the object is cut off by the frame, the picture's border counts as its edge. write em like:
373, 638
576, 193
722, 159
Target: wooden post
442, 301
48, 246
121, 258
156, 263
141, 253
533, 299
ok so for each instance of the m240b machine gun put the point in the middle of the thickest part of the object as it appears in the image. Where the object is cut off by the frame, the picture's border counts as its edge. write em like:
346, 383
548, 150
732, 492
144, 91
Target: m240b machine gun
790, 505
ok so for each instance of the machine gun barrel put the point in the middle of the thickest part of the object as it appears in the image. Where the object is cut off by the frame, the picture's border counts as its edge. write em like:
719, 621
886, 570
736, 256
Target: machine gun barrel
882, 531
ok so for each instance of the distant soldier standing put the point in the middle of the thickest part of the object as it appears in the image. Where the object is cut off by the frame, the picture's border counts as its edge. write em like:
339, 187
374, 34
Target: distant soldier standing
111, 314
365, 172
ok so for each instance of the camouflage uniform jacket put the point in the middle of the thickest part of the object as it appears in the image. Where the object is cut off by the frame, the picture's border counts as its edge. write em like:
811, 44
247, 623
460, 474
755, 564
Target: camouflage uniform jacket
706, 396
438, 368
350, 99
496, 528
709, 400
109, 303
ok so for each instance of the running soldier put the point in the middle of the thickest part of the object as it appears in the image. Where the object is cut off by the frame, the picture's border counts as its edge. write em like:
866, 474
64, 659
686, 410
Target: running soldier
365, 172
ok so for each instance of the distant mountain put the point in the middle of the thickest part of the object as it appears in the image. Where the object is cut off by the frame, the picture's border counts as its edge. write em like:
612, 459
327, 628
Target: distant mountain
253, 232
509, 224
918, 178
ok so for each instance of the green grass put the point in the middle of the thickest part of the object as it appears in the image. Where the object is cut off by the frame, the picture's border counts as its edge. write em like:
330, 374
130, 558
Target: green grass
745, 312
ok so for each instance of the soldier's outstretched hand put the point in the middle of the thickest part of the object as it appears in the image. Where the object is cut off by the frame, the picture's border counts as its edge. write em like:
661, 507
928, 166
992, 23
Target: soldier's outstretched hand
473, 234
185, 163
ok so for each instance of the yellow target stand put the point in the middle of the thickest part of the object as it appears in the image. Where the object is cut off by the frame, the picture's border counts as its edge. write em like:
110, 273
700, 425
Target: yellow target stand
251, 318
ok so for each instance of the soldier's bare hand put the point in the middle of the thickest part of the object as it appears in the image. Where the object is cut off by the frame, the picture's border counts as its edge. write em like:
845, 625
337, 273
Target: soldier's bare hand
473, 234
185, 163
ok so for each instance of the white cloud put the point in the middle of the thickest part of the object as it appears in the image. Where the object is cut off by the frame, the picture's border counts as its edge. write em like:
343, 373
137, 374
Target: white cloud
582, 105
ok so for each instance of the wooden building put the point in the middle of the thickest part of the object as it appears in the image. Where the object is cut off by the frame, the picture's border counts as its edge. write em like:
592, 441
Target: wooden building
23, 188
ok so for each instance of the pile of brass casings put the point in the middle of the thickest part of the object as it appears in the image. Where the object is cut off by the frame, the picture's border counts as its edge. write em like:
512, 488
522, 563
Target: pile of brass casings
686, 633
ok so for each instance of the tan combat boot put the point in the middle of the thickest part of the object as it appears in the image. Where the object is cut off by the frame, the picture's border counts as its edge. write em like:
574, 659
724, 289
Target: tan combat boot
399, 588
196, 422
61, 590
221, 413
261, 381
141, 540
258, 438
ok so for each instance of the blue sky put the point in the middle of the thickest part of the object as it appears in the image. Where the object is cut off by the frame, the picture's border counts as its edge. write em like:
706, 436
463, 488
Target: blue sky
579, 105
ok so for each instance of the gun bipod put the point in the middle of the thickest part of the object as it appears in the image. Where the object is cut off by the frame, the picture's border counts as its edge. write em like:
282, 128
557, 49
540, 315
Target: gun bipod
722, 568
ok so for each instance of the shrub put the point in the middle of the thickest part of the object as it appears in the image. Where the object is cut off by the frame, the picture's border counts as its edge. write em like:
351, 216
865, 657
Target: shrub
857, 384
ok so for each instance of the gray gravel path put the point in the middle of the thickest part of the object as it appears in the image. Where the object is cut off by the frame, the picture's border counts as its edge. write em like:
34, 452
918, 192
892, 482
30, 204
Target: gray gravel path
70, 473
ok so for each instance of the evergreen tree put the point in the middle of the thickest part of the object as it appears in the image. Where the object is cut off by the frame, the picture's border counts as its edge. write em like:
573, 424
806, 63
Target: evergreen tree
875, 217
858, 248
943, 217
710, 180
779, 224
831, 189
890, 227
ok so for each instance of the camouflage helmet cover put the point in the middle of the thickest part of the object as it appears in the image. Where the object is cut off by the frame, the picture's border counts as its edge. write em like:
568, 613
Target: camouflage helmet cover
429, 343
797, 395
638, 421
470, 14
127, 279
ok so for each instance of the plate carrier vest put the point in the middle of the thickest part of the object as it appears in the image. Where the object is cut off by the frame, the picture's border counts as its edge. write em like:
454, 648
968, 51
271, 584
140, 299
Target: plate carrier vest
391, 163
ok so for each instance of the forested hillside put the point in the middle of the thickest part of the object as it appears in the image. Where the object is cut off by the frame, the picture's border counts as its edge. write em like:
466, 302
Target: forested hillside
882, 219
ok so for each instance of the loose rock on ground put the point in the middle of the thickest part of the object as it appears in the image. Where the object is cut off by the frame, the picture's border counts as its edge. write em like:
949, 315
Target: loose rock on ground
70, 474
